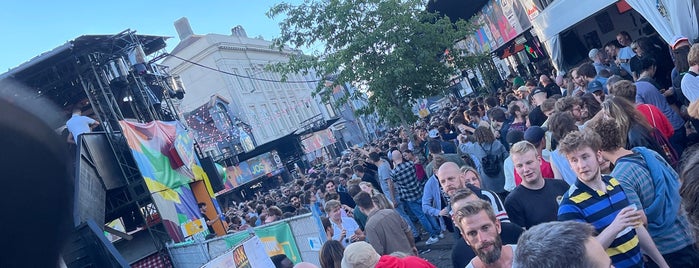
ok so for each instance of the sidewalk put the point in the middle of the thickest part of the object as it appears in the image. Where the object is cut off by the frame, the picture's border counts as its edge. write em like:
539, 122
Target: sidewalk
438, 253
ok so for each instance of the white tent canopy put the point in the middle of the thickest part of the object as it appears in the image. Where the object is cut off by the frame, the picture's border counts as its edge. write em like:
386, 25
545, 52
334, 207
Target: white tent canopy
563, 14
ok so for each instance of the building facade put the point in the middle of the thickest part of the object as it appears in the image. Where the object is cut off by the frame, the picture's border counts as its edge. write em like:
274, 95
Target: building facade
232, 66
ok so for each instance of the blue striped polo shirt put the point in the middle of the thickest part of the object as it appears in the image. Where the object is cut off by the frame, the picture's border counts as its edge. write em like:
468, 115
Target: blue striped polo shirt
582, 203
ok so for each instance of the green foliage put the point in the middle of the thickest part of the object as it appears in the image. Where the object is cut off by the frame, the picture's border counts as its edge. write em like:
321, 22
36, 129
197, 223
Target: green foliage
392, 50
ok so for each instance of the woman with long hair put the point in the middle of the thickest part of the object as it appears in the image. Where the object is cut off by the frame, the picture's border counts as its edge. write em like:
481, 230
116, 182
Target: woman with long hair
631, 121
331, 254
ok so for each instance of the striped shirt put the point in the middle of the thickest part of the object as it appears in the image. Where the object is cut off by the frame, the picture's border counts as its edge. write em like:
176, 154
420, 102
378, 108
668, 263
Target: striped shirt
582, 203
636, 180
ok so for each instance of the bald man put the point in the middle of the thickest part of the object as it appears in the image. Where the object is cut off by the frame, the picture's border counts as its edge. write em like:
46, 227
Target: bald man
305, 265
452, 179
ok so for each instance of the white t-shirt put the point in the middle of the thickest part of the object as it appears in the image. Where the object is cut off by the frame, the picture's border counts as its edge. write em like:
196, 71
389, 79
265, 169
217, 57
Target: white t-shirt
349, 225
690, 87
470, 264
78, 124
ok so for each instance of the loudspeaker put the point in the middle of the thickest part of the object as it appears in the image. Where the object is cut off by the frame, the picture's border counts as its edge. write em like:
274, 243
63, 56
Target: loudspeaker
209, 166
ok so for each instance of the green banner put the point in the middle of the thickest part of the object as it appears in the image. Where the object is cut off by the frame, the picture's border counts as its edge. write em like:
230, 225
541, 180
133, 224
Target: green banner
276, 238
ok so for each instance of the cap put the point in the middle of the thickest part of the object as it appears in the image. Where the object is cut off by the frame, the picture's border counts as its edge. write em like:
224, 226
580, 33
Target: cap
523, 88
594, 86
534, 134
593, 53
518, 82
360, 255
677, 40
538, 90
433, 133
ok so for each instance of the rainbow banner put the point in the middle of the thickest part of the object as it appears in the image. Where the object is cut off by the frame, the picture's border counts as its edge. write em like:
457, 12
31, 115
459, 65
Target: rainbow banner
164, 153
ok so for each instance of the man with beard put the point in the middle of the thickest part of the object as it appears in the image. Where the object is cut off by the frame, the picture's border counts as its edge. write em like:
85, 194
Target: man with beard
451, 179
481, 230
574, 105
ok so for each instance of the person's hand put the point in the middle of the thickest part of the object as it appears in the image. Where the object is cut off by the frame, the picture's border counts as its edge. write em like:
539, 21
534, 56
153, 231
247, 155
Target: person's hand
415, 251
343, 234
627, 217
444, 212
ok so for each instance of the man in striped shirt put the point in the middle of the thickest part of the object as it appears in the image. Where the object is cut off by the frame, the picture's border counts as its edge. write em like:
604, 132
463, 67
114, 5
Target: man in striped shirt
651, 184
600, 201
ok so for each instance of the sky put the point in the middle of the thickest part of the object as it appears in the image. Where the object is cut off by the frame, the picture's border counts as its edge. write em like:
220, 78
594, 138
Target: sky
31, 27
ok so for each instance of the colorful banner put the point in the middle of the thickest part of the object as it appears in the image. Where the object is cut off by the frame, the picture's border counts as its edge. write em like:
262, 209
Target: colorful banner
318, 140
250, 253
500, 21
276, 238
164, 154
251, 169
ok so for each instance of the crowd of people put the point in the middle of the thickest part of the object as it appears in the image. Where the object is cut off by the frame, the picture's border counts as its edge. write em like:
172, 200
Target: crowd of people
589, 169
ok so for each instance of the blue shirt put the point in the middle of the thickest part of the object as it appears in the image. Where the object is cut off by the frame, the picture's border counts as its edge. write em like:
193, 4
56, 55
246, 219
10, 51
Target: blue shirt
648, 93
582, 203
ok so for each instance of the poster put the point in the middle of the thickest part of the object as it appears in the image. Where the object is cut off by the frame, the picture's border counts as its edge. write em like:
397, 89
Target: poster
530, 8
247, 254
276, 239
318, 140
251, 169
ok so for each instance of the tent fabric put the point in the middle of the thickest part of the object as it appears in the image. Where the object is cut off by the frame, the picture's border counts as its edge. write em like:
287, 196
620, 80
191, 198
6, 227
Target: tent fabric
559, 16
681, 17
649, 11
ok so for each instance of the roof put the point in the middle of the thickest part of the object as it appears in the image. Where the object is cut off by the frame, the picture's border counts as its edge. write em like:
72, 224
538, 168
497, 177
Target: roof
55, 73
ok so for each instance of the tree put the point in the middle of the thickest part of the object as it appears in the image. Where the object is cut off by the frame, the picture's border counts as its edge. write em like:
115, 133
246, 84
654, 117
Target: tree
392, 50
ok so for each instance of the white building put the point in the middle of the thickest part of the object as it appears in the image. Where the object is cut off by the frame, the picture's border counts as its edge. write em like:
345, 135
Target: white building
272, 109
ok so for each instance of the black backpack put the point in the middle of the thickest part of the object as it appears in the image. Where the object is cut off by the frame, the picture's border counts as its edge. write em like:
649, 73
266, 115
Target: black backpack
490, 162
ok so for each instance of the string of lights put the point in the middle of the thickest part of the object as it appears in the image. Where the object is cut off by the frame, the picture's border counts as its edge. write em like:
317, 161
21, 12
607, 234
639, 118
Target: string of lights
242, 76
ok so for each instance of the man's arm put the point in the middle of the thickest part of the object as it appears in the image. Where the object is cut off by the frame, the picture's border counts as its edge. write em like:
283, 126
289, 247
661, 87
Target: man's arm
392, 190
627, 217
408, 234
648, 246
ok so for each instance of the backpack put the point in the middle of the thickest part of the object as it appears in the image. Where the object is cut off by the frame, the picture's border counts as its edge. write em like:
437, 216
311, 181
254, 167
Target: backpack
490, 162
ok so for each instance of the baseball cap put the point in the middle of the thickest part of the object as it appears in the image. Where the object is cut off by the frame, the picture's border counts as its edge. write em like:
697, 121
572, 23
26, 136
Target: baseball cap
593, 52
360, 255
523, 88
594, 86
538, 90
678, 39
534, 134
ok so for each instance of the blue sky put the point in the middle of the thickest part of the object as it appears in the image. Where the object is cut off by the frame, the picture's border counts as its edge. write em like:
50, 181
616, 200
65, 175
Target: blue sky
31, 27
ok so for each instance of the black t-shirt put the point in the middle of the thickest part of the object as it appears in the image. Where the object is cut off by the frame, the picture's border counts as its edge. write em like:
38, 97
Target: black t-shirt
527, 207
346, 199
461, 253
211, 227
552, 89
537, 117
371, 178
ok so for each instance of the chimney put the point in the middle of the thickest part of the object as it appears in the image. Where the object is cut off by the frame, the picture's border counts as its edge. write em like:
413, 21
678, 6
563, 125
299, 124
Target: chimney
183, 28
238, 31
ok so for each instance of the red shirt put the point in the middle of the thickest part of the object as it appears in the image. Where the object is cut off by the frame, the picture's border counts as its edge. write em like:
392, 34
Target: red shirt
546, 171
657, 119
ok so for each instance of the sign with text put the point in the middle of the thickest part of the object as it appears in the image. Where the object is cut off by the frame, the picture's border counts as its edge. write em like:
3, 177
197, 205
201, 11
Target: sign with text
249, 253
251, 169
